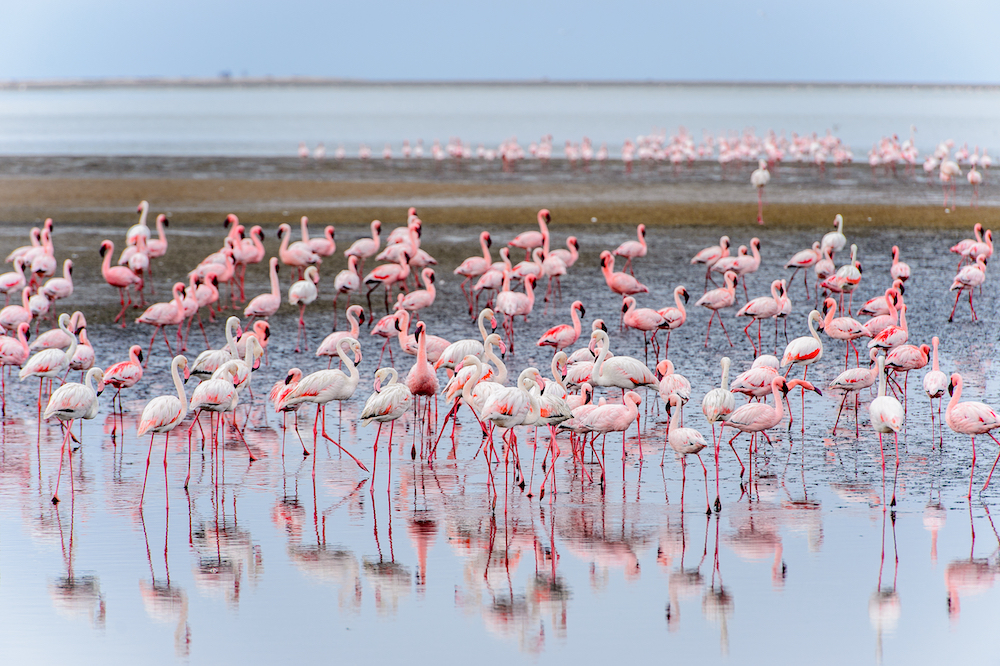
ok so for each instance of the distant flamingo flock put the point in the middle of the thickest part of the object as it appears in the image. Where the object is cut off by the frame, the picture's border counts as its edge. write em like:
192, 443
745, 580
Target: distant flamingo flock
561, 399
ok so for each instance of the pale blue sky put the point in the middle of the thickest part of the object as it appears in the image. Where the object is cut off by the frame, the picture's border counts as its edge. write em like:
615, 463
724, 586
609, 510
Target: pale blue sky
771, 40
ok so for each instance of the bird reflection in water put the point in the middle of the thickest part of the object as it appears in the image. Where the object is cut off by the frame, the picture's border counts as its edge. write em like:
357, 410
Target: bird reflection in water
935, 516
971, 576
717, 605
884, 607
684, 582
757, 537
165, 602
74, 595
224, 553
390, 580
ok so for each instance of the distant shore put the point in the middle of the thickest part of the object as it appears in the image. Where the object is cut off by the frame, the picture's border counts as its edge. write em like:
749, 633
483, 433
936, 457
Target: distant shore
222, 81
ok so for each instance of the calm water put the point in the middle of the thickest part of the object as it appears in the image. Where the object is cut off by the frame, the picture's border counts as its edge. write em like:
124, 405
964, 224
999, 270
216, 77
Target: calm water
266, 562
272, 121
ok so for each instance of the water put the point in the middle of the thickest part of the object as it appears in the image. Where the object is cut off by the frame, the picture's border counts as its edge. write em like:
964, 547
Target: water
272, 563
273, 120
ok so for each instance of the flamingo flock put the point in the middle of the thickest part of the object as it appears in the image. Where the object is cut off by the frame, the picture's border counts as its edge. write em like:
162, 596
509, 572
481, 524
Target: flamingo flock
566, 403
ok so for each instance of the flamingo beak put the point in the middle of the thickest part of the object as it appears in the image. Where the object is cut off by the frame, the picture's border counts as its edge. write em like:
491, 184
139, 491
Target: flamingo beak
493, 323
951, 388
378, 384
503, 348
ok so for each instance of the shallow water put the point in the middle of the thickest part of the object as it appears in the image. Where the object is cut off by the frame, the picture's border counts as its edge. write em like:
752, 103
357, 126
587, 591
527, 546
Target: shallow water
273, 120
268, 562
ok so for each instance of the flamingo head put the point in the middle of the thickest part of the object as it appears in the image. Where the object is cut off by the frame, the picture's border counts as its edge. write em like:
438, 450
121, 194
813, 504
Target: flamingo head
486, 237
577, 305
545, 215
143, 205
230, 220
377, 226
163, 218
106, 247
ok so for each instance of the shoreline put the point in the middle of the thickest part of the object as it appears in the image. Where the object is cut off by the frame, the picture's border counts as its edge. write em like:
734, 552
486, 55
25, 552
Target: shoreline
28, 200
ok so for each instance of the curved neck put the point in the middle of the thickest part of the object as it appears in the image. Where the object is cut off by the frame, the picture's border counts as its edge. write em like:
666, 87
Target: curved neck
482, 325
393, 376
602, 338
477, 373
403, 318
678, 301
355, 328
956, 394
495, 360
375, 233
352, 369
284, 240
486, 250
812, 327
230, 340
304, 222
573, 252
71, 350
90, 380
779, 402
106, 262
178, 384
160, 231
575, 316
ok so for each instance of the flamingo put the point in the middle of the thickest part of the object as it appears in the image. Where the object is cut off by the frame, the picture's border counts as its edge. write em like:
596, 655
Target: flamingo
84, 357
140, 228
686, 441
968, 279
69, 402
119, 277
422, 380
804, 351
887, 415
673, 383
137, 262
853, 381
331, 343
983, 249
475, 267
453, 354
302, 293
904, 358
899, 270
298, 254
804, 259
14, 352
277, 395
12, 315
633, 249
569, 255
210, 360
675, 316
971, 418
613, 418
325, 246
43, 264
165, 314
529, 267
347, 281
619, 282
563, 335
622, 372
717, 404
935, 381
13, 280
163, 414
529, 240
717, 299
759, 179
879, 305
323, 386
267, 304
762, 307
364, 248
55, 338
387, 275
123, 375
50, 363
418, 299
843, 328
220, 395
36, 242
514, 304
892, 335
408, 343
642, 319
960, 248
389, 401
835, 240
157, 247
59, 287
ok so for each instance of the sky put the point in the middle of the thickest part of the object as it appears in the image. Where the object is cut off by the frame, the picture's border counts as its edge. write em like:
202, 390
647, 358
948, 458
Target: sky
721, 40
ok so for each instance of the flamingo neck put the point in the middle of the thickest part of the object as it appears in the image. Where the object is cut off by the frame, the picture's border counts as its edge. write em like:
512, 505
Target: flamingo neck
599, 362
779, 402
355, 327
486, 251
352, 369
90, 381
725, 376
956, 395
482, 325
575, 316
230, 339
304, 223
174, 370
679, 301
393, 376
935, 362
275, 286
881, 376
495, 360
477, 372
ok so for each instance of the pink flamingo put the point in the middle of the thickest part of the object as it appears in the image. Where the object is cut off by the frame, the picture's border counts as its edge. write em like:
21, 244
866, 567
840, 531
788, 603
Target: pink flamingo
686, 441
298, 254
139, 228
325, 246
163, 414
960, 248
43, 264
14, 352
632, 249
389, 401
853, 381
13, 280
675, 316
119, 277
977, 250
422, 380
364, 248
971, 418
935, 381
387, 275
408, 343
386, 328
84, 357
759, 179
164, 314
899, 270
968, 279
879, 323
70, 402
36, 237
843, 328
475, 267
515, 304
905, 358
12, 315
529, 240
614, 418
455, 353
330, 344
762, 307
562, 336
618, 282
50, 363
892, 335
281, 390
717, 404
418, 299
622, 372
267, 304
124, 375
347, 281
210, 360
717, 299
302, 293
642, 319
804, 259
804, 351
218, 395
887, 415
879, 305
59, 287
324, 386
569, 255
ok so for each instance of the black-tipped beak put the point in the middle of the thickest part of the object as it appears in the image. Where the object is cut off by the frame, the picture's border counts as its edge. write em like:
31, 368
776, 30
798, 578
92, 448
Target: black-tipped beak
604, 327
139, 355
288, 379
951, 389
686, 295
624, 308
583, 311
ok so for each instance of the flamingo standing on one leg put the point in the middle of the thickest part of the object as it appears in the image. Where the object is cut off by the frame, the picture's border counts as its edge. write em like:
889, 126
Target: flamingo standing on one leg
971, 418
302, 293
853, 381
717, 404
389, 401
804, 259
762, 307
163, 414
70, 402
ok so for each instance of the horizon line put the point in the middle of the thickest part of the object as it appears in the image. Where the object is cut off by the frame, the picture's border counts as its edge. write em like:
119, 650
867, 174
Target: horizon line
227, 80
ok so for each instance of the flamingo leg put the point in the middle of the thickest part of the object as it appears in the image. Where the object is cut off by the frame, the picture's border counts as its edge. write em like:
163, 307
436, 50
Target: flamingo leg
145, 476
337, 444
62, 451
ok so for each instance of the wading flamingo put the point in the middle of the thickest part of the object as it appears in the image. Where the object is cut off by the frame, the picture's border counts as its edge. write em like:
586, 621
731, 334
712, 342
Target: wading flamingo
887, 415
686, 441
69, 402
718, 299
632, 249
389, 401
163, 414
302, 293
119, 277
759, 179
717, 404
971, 418
124, 375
